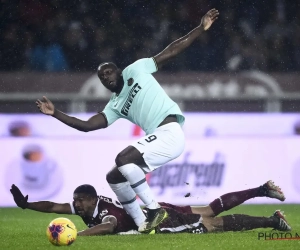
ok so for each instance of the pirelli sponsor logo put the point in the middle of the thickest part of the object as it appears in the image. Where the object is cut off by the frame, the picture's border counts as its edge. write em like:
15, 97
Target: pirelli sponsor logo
135, 89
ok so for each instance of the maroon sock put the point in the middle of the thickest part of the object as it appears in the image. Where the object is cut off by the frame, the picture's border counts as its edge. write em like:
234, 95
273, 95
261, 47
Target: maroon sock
230, 200
239, 222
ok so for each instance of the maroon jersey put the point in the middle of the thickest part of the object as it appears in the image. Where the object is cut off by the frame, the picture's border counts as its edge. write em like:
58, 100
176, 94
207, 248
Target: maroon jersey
107, 206
180, 218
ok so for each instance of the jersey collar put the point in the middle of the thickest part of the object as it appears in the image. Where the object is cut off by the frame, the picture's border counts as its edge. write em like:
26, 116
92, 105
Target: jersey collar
96, 209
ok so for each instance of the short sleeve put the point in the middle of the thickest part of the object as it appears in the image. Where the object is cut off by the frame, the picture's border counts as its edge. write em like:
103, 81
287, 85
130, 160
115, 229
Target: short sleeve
145, 65
110, 114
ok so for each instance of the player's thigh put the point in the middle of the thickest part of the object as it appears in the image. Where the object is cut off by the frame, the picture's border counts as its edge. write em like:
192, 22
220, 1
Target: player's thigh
162, 146
114, 176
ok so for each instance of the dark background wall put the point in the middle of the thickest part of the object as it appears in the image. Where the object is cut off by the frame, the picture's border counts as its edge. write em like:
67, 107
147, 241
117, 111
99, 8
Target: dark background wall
76, 35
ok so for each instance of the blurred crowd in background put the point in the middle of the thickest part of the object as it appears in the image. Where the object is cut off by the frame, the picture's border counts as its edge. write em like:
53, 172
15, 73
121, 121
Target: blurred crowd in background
77, 35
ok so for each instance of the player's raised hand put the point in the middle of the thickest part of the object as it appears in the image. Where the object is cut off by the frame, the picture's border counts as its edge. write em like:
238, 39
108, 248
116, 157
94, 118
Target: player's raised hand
19, 198
45, 106
208, 19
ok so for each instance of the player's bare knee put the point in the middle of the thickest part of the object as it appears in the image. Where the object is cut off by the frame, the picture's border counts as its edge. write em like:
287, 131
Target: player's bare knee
213, 224
114, 176
122, 159
129, 155
206, 221
110, 178
119, 161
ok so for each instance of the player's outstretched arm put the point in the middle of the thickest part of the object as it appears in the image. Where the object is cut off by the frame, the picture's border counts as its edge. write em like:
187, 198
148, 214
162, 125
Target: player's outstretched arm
97, 121
182, 43
108, 225
41, 206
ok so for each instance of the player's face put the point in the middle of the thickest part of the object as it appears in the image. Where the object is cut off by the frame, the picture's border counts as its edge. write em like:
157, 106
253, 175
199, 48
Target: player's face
110, 78
84, 204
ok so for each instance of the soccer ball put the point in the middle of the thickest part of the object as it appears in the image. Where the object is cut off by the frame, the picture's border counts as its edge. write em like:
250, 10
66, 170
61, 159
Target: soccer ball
61, 232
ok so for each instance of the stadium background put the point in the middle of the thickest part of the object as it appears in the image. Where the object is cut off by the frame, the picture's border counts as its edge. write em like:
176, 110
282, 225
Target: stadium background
238, 85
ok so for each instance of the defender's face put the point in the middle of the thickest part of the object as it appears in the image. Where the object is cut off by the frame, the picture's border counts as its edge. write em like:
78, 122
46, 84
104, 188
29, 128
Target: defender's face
84, 204
110, 77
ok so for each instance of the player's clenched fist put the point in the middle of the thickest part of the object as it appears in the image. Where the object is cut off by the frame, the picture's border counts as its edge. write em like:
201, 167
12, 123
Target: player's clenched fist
19, 198
45, 106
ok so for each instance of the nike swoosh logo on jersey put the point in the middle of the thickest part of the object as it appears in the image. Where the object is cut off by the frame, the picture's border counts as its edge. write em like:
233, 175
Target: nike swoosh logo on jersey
140, 143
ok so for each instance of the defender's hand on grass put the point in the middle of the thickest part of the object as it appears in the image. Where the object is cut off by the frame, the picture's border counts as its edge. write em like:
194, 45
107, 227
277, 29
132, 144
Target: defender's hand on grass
45, 106
19, 198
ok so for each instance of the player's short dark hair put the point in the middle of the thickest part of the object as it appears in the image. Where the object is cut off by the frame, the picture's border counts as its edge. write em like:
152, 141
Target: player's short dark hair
86, 189
109, 64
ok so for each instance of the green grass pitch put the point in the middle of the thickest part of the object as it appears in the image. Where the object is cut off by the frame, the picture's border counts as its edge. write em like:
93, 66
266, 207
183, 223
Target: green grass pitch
25, 229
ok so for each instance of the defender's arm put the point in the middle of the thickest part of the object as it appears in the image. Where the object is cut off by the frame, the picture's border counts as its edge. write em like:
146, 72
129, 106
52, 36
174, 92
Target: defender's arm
41, 206
50, 207
108, 225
